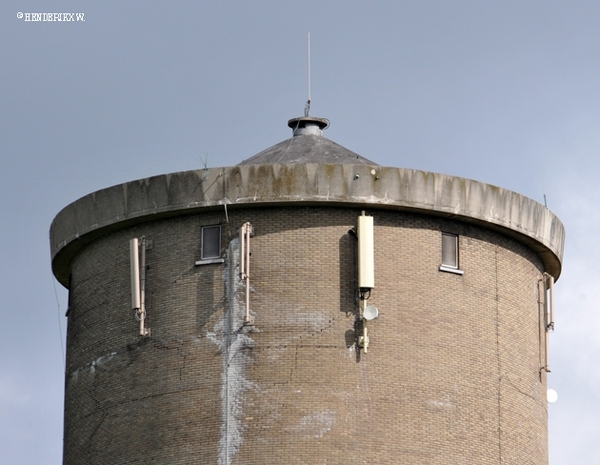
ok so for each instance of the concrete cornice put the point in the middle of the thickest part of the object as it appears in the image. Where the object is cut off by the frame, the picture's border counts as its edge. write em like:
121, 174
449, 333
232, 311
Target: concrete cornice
356, 186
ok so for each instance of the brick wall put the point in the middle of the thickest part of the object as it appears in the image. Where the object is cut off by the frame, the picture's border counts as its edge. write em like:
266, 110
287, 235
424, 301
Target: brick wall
451, 376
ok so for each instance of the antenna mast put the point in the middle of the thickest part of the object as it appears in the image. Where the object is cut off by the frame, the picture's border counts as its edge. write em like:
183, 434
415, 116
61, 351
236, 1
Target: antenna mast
307, 107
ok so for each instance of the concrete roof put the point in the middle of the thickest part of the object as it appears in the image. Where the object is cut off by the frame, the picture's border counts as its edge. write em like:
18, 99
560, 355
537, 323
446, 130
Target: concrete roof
254, 185
307, 145
307, 149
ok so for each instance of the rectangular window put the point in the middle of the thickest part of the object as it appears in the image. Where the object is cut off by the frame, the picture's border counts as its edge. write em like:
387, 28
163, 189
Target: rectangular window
211, 242
450, 253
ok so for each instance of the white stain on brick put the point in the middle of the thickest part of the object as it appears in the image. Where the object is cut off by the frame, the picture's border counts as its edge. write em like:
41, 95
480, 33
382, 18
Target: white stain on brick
93, 365
316, 424
306, 320
441, 405
230, 335
351, 351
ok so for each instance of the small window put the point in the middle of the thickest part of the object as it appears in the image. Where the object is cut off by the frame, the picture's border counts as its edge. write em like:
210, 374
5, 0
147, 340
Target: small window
450, 253
211, 242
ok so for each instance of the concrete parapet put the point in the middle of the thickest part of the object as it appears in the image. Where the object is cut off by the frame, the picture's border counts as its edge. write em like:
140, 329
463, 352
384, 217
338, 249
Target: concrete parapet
305, 184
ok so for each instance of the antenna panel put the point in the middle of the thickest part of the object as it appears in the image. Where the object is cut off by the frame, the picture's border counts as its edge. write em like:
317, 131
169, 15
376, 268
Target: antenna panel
135, 273
366, 254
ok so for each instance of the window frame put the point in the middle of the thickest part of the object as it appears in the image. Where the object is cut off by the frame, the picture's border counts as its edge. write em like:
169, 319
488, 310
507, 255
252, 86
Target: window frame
206, 259
447, 266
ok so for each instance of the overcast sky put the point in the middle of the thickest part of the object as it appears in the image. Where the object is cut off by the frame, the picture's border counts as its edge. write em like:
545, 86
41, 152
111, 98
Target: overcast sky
504, 92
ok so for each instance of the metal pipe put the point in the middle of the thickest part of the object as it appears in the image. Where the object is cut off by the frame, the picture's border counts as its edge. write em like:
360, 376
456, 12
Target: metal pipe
248, 230
245, 232
365, 330
143, 330
547, 303
547, 344
242, 253
551, 302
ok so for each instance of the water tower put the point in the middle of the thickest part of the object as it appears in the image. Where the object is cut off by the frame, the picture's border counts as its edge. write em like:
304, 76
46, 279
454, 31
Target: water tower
306, 306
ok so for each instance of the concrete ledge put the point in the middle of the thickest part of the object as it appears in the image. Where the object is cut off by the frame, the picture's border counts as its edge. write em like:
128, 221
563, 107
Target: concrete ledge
447, 269
353, 186
209, 262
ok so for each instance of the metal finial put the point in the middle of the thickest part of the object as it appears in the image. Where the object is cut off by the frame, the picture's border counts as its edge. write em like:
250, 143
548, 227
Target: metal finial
307, 107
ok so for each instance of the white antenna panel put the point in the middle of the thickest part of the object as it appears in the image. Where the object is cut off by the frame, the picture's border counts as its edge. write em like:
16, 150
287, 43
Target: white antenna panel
135, 274
366, 253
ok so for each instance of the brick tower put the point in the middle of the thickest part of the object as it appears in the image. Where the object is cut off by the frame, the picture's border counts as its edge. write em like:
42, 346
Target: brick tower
227, 315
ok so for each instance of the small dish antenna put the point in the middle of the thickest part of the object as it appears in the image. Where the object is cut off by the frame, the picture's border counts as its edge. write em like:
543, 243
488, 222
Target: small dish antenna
551, 395
370, 313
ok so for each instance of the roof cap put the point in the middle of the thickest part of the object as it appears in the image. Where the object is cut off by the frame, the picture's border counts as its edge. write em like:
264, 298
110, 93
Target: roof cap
308, 125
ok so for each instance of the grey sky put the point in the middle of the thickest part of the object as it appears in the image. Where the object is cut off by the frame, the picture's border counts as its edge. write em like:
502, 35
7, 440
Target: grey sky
505, 92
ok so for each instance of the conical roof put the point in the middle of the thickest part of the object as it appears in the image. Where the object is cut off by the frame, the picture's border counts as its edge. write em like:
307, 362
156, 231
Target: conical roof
307, 145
